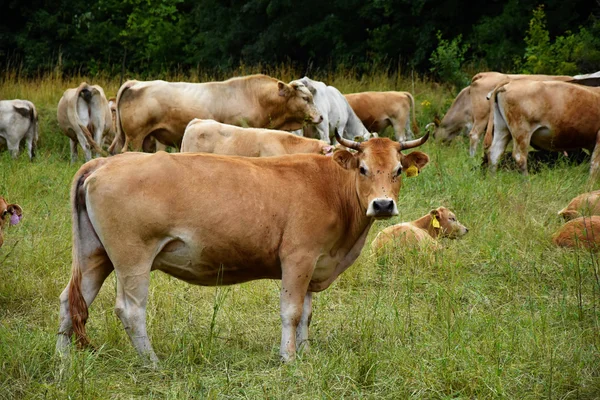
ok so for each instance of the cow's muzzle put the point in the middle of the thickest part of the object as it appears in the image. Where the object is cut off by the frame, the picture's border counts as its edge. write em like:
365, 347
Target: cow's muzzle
382, 208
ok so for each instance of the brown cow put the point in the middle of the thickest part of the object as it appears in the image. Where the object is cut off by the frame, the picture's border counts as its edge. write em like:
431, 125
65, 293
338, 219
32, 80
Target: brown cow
378, 110
208, 136
481, 85
579, 232
218, 220
440, 222
14, 210
585, 204
84, 117
162, 109
550, 115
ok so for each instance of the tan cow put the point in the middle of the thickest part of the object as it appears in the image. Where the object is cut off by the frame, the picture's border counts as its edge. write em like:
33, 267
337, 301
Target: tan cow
18, 122
162, 109
84, 117
378, 110
218, 220
208, 136
481, 85
14, 210
550, 115
424, 231
579, 232
458, 118
585, 204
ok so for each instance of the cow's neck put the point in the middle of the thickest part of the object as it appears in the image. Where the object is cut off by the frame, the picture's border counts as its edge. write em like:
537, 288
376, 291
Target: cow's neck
425, 224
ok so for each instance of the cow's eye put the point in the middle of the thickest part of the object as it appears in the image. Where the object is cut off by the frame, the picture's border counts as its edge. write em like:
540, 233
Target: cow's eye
399, 172
362, 170
305, 99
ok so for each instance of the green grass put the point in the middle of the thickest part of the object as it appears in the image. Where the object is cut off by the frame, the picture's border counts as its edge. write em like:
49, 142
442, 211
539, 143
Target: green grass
501, 313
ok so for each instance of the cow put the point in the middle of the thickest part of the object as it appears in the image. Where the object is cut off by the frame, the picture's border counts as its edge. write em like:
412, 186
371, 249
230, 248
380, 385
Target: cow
85, 118
583, 232
219, 220
378, 110
550, 115
458, 118
18, 121
208, 136
585, 204
162, 109
439, 222
481, 85
14, 210
336, 113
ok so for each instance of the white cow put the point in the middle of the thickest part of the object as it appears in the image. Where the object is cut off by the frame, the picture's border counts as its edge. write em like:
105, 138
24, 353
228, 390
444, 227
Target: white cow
18, 121
336, 113
84, 116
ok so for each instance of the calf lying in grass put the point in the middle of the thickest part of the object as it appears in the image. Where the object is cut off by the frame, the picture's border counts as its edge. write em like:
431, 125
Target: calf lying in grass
584, 204
424, 231
580, 232
14, 210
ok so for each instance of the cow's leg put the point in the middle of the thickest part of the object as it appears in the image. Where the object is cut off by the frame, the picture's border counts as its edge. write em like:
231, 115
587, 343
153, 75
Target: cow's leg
501, 138
475, 133
30, 147
132, 297
93, 275
296, 273
595, 162
74, 151
520, 151
399, 130
13, 147
302, 330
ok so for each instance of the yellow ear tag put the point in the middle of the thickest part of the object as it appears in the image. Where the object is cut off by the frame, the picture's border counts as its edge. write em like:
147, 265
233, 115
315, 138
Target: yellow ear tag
434, 222
412, 171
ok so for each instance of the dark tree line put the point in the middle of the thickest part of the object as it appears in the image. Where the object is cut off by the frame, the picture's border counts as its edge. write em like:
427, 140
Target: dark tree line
159, 35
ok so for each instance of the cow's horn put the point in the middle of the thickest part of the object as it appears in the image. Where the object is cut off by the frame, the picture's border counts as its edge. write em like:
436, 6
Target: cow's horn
413, 143
351, 144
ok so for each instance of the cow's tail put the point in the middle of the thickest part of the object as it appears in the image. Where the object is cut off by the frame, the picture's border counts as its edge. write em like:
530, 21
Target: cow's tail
118, 144
489, 132
86, 132
34, 127
77, 305
415, 127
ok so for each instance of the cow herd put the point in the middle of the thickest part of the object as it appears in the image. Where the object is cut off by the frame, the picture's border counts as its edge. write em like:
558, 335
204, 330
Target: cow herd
258, 189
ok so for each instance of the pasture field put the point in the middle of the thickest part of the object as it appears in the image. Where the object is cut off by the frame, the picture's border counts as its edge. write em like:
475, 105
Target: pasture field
501, 313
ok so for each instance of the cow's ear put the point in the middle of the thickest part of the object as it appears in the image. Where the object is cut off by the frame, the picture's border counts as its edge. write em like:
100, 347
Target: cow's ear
309, 86
416, 159
284, 89
435, 213
345, 159
16, 213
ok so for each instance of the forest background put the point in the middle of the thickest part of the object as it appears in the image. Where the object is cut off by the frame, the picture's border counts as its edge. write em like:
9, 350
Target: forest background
447, 40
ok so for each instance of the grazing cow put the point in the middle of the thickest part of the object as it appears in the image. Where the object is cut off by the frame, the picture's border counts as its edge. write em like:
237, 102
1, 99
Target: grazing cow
14, 210
440, 222
84, 117
585, 204
162, 109
378, 110
481, 85
18, 121
458, 118
218, 220
550, 115
579, 232
208, 136
336, 113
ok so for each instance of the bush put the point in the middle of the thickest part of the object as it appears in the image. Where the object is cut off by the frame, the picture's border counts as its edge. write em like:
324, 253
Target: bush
447, 60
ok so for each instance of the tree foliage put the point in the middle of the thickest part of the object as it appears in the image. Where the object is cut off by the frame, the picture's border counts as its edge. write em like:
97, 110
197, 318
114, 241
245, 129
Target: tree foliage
159, 35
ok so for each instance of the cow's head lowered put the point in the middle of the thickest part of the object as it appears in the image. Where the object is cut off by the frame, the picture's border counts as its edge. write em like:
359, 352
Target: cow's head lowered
11, 212
300, 105
378, 164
